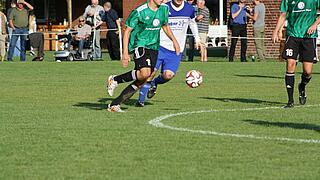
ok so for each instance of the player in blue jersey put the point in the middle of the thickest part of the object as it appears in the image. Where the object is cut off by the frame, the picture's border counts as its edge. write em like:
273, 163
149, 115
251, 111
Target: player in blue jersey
181, 15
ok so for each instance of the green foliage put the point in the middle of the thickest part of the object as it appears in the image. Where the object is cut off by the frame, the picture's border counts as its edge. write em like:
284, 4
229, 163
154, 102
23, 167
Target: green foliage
54, 124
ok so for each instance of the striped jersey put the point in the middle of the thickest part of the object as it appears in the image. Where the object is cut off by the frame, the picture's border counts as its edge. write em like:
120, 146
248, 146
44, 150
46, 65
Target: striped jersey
203, 25
146, 25
301, 14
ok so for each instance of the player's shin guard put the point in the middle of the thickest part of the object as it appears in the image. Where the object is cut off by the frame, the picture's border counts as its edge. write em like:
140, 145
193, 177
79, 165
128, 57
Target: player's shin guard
143, 92
159, 80
304, 80
289, 80
127, 93
126, 77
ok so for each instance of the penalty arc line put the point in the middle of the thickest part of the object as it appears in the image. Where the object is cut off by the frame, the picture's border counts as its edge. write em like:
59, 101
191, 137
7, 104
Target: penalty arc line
157, 122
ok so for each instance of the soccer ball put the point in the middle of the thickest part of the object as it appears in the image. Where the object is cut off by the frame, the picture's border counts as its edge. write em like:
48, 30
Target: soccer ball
193, 78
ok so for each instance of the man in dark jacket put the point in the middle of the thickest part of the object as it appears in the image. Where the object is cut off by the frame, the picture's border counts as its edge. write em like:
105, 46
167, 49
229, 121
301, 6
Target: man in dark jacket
113, 24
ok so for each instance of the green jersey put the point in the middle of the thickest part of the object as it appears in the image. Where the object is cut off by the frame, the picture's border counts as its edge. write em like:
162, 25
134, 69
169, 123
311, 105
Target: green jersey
301, 14
146, 25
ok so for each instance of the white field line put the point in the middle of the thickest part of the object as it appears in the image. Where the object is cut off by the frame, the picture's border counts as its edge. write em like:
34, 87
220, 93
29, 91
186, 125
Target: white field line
157, 122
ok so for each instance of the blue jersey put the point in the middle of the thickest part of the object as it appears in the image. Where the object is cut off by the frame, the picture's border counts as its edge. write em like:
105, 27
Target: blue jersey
242, 17
179, 20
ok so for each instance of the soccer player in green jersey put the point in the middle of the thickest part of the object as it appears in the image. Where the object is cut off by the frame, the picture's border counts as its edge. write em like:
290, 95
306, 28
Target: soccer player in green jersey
301, 33
141, 36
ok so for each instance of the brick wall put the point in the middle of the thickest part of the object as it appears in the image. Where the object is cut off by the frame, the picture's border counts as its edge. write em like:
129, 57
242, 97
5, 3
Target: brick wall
129, 5
272, 13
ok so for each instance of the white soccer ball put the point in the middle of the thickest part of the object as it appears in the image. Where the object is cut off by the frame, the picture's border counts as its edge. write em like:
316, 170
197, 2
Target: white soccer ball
193, 78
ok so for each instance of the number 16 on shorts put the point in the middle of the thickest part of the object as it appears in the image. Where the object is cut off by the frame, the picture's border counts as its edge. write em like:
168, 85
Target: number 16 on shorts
289, 52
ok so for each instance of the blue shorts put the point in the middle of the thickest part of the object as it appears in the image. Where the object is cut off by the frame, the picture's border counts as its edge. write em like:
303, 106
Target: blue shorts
168, 60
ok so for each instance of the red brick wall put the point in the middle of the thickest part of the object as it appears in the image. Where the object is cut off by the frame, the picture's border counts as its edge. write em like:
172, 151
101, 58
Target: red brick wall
272, 13
129, 5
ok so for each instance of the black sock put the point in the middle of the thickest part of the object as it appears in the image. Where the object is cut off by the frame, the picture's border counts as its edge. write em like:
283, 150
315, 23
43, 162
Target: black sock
127, 93
289, 80
126, 77
304, 80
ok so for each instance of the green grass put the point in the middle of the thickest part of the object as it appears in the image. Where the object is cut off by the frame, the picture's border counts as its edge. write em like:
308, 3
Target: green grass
54, 124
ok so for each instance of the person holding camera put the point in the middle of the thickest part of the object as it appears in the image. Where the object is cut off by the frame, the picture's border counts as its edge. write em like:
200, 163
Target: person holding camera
239, 14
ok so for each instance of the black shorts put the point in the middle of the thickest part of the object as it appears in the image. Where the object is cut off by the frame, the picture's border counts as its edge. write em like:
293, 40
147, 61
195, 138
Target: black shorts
303, 48
145, 58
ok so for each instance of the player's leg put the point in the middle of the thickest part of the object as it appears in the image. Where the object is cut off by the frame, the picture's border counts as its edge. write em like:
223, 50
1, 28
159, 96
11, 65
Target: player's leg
144, 90
142, 76
308, 56
170, 65
305, 79
145, 60
290, 53
113, 80
289, 81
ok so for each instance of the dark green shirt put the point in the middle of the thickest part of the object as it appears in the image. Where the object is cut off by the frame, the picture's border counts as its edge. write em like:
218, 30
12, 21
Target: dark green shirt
20, 18
146, 25
301, 14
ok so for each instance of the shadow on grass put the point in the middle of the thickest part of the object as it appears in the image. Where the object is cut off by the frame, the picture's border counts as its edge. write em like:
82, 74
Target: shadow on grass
258, 76
244, 100
303, 126
102, 104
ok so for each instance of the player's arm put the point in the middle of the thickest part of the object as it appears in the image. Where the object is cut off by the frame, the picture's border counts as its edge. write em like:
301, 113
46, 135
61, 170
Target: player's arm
125, 53
313, 28
194, 29
277, 32
169, 33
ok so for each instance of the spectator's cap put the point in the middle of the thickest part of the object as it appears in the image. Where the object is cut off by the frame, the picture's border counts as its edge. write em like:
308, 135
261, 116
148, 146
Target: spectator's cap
19, 1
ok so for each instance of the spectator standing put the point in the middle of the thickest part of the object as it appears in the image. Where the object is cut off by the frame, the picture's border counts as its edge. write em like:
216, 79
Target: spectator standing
93, 14
3, 35
36, 39
258, 28
239, 14
203, 27
112, 20
19, 21
16, 52
189, 37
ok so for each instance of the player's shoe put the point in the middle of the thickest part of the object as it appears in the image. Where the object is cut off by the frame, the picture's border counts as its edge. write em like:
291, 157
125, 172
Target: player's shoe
139, 104
302, 95
111, 85
152, 91
289, 105
114, 108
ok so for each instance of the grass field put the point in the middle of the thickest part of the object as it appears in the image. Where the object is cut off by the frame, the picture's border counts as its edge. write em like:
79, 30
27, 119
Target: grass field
54, 124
